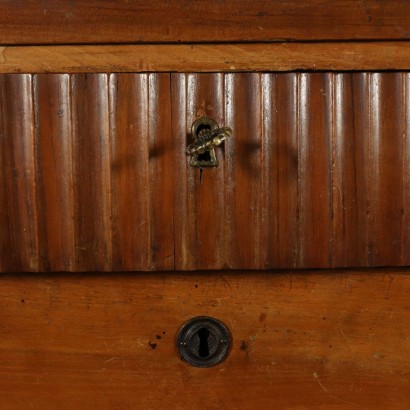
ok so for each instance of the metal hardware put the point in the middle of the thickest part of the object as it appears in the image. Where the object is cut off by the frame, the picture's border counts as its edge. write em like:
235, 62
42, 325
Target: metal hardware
207, 136
203, 341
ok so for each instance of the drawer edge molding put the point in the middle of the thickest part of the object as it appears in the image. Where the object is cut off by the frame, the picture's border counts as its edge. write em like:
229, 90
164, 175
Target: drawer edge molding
316, 56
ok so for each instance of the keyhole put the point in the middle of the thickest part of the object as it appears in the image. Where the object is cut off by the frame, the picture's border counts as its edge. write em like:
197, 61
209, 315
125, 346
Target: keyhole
203, 341
200, 132
203, 335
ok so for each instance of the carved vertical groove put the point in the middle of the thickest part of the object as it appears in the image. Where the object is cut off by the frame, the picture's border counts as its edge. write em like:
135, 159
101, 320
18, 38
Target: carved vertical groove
18, 229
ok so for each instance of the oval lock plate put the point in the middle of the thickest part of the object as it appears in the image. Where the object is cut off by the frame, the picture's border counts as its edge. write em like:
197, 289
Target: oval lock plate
203, 341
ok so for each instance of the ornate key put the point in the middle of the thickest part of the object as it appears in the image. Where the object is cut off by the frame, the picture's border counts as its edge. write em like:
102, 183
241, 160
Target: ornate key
207, 136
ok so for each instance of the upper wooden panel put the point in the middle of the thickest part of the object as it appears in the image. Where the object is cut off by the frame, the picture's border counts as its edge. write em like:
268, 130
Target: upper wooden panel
122, 21
94, 174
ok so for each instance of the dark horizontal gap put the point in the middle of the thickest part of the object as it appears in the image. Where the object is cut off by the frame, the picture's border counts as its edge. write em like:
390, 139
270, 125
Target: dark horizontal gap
328, 272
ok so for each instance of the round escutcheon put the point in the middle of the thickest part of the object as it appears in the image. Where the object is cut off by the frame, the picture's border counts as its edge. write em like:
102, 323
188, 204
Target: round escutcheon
203, 341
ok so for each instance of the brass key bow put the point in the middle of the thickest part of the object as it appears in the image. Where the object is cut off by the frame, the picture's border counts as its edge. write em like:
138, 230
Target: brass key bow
207, 136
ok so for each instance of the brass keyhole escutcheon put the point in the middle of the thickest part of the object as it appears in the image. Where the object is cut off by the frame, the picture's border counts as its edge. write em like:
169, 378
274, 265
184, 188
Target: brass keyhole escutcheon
207, 136
203, 341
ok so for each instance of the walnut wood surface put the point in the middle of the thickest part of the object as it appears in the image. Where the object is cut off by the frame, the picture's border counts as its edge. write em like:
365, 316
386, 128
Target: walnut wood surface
94, 175
391, 55
124, 21
82, 171
312, 340
316, 174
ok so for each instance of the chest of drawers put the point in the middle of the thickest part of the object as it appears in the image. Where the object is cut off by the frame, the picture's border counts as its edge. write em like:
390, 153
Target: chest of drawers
299, 240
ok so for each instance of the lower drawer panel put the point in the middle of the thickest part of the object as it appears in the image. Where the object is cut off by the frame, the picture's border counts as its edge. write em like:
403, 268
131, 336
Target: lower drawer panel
301, 340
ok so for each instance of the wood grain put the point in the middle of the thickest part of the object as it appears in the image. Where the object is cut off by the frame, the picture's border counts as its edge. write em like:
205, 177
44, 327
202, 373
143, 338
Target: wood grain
83, 165
314, 172
349, 227
385, 138
129, 170
280, 163
201, 211
162, 178
19, 218
206, 57
242, 177
122, 21
312, 340
406, 171
141, 150
54, 171
313, 177
92, 184
94, 174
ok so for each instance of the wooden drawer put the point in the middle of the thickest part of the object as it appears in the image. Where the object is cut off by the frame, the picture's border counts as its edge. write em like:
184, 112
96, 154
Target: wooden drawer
316, 340
97, 98
94, 175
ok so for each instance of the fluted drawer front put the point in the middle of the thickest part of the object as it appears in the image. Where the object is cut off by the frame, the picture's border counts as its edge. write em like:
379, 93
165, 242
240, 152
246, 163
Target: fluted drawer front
94, 175
83, 172
317, 173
